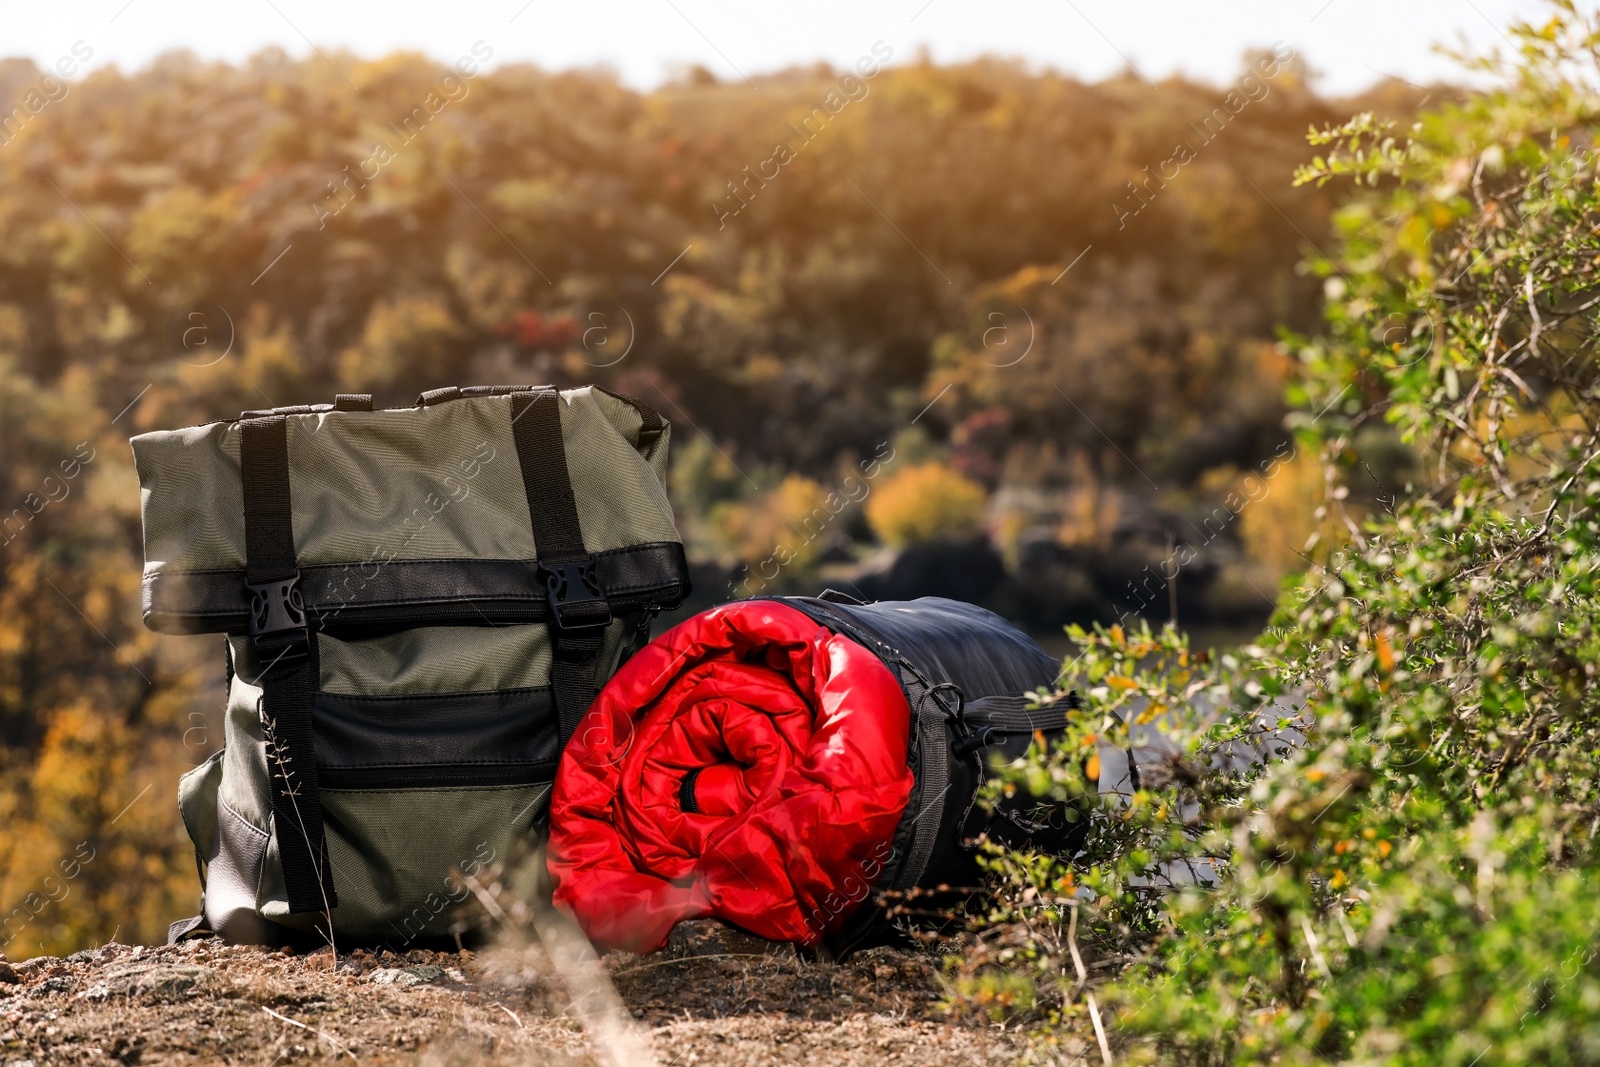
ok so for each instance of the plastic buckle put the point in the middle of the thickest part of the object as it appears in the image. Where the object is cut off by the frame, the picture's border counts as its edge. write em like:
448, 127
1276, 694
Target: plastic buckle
278, 621
983, 737
573, 593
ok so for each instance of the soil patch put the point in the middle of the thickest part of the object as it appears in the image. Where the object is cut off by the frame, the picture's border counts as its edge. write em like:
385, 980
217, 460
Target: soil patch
712, 997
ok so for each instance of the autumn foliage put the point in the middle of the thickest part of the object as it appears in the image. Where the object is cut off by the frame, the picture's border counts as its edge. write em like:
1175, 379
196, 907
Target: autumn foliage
191, 240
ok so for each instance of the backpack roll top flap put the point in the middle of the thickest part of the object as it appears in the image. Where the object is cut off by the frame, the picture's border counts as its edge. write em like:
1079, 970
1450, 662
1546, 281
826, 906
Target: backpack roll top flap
410, 516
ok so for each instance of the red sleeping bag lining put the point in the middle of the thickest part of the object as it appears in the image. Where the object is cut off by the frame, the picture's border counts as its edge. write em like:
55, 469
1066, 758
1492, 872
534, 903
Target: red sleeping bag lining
748, 765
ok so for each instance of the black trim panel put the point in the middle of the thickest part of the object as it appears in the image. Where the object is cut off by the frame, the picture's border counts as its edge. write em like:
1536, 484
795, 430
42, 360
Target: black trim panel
498, 728
414, 592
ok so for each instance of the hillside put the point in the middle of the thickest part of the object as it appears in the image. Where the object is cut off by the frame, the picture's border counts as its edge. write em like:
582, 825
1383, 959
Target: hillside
1057, 366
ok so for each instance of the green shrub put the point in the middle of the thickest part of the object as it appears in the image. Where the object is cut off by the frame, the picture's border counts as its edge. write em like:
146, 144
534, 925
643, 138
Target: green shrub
1417, 883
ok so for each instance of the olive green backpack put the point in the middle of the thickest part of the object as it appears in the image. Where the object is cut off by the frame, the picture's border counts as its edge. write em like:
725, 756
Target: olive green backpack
419, 605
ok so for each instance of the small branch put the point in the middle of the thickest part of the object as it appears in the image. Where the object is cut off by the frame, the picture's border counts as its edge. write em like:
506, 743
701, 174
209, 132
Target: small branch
1544, 526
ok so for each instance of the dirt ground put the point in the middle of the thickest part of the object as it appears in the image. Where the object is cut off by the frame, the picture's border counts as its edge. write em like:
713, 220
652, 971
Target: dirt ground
713, 997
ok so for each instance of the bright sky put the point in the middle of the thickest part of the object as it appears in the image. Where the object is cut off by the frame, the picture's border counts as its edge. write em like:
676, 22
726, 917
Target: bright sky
1350, 41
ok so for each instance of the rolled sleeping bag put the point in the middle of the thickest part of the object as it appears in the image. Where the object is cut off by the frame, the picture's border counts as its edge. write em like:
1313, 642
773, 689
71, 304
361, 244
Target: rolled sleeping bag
788, 764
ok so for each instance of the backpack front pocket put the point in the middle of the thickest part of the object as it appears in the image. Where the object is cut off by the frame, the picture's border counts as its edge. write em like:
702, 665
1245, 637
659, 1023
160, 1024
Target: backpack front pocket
436, 749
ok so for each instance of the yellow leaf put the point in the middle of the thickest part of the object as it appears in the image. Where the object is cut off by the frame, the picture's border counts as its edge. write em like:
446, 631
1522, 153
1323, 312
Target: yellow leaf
1118, 681
1385, 651
1092, 768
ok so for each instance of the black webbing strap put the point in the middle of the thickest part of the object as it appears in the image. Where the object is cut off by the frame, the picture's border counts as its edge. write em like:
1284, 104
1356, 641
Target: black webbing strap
188, 929
579, 612
285, 655
1012, 715
992, 718
650, 424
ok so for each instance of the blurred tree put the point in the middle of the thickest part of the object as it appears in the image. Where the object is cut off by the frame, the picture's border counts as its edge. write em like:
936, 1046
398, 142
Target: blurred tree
91, 715
406, 339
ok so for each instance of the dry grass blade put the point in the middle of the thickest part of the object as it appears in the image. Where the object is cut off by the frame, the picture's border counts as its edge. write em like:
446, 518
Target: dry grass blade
1072, 946
618, 1043
335, 1042
616, 1039
1099, 1030
282, 761
1083, 979
676, 960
